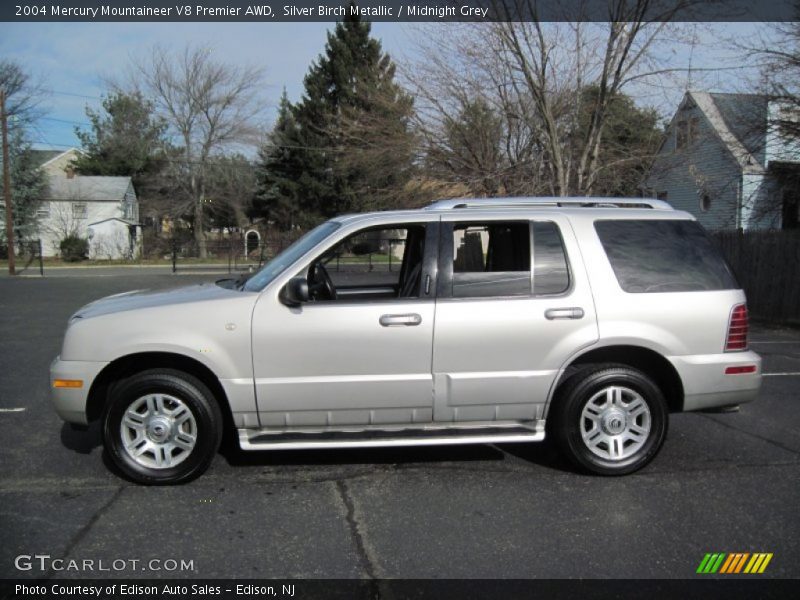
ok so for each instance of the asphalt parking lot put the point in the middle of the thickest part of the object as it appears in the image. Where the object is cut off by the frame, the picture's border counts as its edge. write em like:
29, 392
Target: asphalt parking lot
722, 483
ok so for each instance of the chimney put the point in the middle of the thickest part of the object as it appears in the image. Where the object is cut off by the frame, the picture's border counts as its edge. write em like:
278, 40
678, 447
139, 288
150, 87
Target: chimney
70, 173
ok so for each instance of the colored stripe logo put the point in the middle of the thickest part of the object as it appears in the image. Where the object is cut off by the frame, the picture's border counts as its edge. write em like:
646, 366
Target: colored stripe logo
734, 562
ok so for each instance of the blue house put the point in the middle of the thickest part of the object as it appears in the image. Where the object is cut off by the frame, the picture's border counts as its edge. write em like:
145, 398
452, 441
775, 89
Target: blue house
725, 160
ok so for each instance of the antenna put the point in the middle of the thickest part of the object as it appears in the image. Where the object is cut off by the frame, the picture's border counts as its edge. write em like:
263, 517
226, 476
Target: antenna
691, 56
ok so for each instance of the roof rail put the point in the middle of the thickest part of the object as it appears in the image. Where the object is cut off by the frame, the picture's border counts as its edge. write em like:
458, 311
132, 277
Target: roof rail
529, 202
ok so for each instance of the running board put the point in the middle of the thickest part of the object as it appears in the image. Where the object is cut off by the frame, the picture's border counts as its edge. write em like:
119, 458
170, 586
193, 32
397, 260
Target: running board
266, 439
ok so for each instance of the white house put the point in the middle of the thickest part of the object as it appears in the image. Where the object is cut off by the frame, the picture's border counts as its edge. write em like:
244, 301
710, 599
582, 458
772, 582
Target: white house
725, 161
104, 210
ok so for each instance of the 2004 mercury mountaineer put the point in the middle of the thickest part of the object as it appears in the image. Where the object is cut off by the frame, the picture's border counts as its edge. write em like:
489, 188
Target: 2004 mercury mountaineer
470, 321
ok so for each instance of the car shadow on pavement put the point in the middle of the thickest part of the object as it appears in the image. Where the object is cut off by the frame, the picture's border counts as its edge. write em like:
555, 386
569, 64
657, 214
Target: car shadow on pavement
358, 456
538, 454
543, 454
82, 441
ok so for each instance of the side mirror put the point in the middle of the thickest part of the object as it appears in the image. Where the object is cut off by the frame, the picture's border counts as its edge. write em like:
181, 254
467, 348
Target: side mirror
295, 292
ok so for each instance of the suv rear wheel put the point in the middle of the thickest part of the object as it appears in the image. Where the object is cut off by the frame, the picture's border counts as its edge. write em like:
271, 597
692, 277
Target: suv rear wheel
610, 419
162, 426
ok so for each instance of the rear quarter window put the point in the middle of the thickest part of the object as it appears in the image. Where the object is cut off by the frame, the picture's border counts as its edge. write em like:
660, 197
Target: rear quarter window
650, 256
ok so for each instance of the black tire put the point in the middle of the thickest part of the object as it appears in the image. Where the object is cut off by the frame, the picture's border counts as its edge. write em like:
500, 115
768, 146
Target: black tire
564, 423
194, 395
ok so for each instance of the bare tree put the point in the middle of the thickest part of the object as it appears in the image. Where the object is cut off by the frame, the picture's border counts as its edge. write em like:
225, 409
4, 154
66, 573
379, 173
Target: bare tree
777, 50
770, 126
22, 93
209, 106
231, 186
63, 221
532, 75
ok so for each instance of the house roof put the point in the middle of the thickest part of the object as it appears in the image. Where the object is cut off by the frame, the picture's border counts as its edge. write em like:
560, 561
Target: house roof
740, 121
45, 156
87, 188
746, 118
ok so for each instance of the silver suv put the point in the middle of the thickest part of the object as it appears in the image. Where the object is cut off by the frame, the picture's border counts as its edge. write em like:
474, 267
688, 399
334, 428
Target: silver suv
470, 321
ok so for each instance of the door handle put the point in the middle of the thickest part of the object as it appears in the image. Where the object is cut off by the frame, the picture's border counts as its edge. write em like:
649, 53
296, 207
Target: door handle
574, 312
408, 320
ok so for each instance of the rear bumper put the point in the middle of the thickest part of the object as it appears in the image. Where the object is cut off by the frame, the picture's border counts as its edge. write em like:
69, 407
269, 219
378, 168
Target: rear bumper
705, 384
70, 403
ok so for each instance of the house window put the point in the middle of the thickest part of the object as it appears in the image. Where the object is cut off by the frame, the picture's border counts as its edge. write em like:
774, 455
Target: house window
694, 129
687, 132
788, 121
705, 202
79, 210
682, 134
43, 211
661, 196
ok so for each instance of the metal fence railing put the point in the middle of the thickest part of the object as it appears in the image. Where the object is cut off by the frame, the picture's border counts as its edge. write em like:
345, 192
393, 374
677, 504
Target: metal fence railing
230, 255
234, 257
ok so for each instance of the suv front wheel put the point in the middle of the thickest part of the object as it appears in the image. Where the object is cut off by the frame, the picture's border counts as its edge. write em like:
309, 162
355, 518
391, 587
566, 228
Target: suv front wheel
161, 427
610, 420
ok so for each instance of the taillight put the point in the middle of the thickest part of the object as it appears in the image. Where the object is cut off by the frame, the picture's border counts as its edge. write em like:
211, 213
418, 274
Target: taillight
737, 329
740, 370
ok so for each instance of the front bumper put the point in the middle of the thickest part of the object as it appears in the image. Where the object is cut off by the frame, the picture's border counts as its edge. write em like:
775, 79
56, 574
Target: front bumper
70, 403
705, 384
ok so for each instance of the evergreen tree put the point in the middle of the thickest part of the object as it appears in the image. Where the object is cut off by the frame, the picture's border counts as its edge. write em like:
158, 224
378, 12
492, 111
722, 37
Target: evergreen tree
125, 141
469, 149
351, 133
27, 187
278, 172
630, 141
230, 188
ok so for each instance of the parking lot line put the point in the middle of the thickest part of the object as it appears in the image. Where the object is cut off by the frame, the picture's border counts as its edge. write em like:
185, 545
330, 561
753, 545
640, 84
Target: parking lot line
11, 410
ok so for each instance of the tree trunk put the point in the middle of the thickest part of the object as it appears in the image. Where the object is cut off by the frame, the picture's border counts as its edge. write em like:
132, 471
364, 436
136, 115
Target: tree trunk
198, 194
199, 234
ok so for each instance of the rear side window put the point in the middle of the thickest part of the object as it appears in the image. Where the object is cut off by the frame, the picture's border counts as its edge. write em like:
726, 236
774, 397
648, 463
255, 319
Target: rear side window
492, 259
550, 270
663, 256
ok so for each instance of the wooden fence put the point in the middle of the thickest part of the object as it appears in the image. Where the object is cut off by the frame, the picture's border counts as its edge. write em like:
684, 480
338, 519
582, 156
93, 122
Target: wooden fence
767, 266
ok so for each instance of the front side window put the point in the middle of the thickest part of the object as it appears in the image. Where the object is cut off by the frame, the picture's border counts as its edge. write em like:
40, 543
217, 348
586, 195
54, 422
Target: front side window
289, 256
378, 263
663, 256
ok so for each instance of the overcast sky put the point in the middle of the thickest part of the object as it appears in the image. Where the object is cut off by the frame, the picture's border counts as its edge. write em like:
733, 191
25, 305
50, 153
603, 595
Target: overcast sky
71, 59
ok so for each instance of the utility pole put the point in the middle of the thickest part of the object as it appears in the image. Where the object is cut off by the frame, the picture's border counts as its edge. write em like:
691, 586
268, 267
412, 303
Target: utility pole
7, 186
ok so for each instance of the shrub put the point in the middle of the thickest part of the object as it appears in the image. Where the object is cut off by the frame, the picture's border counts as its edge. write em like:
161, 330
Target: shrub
74, 248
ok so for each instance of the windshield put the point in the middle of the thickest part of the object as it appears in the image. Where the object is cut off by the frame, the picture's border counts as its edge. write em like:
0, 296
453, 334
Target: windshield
289, 256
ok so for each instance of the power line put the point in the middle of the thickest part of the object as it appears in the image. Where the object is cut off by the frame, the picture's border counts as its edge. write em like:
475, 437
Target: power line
65, 121
60, 93
268, 146
43, 141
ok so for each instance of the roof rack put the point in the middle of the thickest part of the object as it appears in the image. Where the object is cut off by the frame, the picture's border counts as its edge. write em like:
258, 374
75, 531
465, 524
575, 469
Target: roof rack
528, 202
